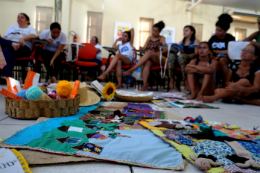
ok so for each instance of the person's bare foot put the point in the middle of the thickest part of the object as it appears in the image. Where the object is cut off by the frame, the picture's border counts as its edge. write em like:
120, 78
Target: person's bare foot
251, 102
207, 99
102, 76
119, 86
192, 96
16, 46
128, 72
199, 97
144, 88
87, 78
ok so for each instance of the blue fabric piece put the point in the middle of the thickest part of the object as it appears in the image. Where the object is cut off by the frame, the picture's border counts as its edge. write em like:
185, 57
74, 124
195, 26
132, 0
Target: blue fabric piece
35, 131
218, 149
142, 148
253, 148
216, 132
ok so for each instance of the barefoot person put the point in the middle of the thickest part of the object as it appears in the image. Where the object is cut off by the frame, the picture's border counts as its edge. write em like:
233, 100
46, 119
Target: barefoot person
201, 73
151, 57
17, 43
245, 79
219, 43
125, 56
256, 35
52, 54
188, 54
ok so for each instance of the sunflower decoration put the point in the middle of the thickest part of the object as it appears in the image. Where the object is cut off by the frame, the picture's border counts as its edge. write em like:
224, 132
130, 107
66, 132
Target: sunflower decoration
109, 91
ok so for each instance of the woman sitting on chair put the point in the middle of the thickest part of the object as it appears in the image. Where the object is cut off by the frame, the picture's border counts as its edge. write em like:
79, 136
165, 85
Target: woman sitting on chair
189, 53
52, 54
125, 56
201, 73
17, 43
151, 57
256, 35
245, 80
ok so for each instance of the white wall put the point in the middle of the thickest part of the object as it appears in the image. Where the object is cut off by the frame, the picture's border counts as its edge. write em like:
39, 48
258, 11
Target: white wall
9, 11
208, 16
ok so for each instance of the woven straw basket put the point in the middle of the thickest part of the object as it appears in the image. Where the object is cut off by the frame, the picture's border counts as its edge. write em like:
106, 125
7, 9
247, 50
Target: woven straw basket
33, 109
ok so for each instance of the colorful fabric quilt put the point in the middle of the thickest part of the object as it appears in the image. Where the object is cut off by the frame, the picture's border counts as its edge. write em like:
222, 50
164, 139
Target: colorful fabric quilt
182, 140
84, 134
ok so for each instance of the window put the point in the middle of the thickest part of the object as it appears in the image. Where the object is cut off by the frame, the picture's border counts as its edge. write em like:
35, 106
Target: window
44, 18
240, 34
94, 27
198, 28
145, 30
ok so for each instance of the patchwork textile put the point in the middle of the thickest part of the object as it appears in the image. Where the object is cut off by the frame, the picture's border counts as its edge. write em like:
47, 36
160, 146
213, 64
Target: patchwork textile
89, 147
235, 169
85, 135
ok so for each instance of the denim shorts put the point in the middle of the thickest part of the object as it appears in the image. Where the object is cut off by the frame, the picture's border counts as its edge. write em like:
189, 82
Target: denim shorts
131, 58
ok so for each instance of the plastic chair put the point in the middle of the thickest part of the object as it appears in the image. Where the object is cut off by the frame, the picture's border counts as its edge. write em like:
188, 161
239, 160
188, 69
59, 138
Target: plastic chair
24, 62
85, 55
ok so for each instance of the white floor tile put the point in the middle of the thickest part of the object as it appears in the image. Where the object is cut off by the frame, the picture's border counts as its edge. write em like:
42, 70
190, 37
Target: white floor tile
83, 167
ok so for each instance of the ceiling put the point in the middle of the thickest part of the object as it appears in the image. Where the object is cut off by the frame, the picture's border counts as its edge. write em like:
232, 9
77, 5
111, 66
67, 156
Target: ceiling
242, 4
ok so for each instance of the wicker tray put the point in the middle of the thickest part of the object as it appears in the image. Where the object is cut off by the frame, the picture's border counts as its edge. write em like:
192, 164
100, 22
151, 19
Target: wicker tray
33, 109
133, 99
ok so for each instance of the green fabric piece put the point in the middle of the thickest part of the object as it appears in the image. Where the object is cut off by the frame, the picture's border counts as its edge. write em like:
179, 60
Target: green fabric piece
113, 135
204, 129
48, 140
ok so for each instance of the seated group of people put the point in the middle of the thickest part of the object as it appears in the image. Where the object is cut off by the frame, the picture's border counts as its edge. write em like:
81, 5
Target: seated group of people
16, 43
199, 65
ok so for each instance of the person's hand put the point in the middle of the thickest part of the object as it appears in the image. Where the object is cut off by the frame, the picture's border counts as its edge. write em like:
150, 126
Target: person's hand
50, 41
232, 87
21, 41
119, 39
16, 46
52, 63
140, 48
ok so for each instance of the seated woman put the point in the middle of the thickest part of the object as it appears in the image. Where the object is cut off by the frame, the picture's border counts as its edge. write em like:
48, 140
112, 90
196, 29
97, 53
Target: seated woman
219, 43
151, 57
52, 54
201, 73
94, 41
256, 35
17, 43
245, 79
125, 56
188, 54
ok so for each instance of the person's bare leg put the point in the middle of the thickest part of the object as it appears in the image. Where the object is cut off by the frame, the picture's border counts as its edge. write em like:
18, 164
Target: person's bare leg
171, 84
113, 63
146, 73
223, 64
194, 86
208, 86
141, 61
119, 74
251, 102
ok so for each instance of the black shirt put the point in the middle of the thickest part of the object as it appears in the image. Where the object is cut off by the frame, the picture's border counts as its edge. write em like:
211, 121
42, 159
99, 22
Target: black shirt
220, 44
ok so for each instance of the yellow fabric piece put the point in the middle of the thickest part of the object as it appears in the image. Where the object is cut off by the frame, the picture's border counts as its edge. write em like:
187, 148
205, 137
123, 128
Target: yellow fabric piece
148, 126
231, 127
22, 161
185, 151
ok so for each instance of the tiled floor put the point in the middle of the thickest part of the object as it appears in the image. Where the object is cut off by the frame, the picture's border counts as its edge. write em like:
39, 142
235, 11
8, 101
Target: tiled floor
244, 116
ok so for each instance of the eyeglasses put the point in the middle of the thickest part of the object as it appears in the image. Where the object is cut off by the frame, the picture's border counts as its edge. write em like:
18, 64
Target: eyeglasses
249, 51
